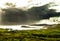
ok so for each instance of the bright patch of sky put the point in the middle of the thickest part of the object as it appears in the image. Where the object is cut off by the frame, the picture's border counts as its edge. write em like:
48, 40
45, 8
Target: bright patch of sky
56, 5
26, 4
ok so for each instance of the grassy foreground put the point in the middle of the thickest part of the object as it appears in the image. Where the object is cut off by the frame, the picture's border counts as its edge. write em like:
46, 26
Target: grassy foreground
50, 34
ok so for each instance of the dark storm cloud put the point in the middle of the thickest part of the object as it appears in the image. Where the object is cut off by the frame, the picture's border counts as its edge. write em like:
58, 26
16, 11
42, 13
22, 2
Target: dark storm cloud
18, 16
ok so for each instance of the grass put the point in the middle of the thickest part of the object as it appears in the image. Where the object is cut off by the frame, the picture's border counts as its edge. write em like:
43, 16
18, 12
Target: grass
50, 34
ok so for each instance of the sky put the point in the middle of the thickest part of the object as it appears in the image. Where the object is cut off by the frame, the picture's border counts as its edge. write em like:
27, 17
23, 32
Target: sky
27, 4
24, 3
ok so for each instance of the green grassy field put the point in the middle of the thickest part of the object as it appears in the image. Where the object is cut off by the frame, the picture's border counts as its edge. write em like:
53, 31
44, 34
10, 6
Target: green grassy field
50, 34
